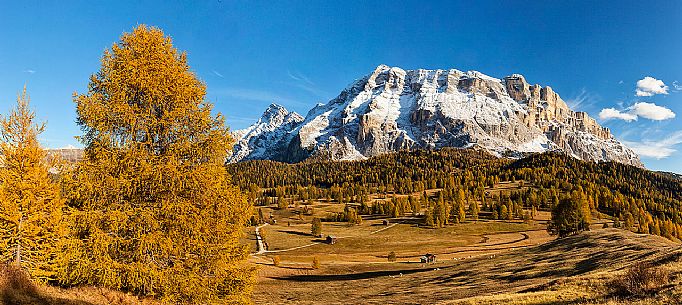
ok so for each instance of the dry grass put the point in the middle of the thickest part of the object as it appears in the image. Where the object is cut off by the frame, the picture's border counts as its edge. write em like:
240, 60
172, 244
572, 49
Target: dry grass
17, 289
576, 270
642, 279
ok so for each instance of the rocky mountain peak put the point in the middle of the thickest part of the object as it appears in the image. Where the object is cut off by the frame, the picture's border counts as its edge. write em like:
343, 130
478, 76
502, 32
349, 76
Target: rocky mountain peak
276, 115
391, 109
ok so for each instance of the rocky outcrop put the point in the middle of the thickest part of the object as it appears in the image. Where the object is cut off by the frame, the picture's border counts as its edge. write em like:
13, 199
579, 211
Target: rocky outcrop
265, 138
392, 109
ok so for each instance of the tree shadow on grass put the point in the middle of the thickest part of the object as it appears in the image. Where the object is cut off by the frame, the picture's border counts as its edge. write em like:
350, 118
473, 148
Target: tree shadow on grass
292, 232
352, 276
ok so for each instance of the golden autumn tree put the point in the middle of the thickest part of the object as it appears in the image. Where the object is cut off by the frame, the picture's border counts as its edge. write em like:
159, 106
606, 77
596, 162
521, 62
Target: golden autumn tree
30, 203
157, 214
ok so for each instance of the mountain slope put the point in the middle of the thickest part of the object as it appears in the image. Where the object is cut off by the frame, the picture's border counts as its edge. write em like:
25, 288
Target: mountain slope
576, 270
392, 109
263, 139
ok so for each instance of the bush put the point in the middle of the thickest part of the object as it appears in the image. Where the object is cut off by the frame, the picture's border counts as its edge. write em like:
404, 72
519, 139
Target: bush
316, 263
642, 279
276, 260
15, 284
391, 257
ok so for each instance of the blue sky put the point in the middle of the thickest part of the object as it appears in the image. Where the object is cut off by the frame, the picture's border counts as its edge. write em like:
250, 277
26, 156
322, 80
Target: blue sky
253, 53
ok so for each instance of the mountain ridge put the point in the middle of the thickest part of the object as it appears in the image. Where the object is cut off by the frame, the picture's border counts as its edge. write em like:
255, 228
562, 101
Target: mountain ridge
392, 109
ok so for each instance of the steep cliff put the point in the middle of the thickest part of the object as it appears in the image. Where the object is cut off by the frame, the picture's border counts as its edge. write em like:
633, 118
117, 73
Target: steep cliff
392, 109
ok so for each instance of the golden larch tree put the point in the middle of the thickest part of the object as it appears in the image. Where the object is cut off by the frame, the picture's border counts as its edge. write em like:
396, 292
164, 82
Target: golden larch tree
30, 203
157, 214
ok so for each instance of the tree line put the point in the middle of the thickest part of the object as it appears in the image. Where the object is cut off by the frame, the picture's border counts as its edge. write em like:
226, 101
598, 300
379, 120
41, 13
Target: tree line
637, 199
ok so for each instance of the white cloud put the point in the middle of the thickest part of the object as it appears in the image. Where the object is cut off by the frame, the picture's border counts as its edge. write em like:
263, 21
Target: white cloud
218, 74
677, 86
612, 113
29, 71
650, 86
70, 146
649, 111
660, 149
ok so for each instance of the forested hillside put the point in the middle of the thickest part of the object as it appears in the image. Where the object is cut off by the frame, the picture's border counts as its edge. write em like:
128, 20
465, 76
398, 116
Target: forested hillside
637, 199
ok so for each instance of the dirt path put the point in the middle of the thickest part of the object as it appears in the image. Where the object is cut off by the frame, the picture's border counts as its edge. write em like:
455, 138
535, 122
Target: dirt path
261, 250
259, 240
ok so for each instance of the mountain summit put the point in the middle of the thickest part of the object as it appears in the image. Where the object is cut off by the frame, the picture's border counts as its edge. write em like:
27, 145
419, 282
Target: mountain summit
392, 109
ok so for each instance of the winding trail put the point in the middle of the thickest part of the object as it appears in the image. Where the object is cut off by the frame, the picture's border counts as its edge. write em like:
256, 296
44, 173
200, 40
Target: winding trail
262, 250
484, 246
259, 240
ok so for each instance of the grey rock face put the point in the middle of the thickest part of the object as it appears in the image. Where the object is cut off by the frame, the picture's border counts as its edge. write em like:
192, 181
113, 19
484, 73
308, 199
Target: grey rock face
264, 139
392, 109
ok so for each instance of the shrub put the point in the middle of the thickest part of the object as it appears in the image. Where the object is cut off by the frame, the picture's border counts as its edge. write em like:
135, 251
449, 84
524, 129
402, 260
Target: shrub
276, 260
391, 257
316, 227
15, 284
316, 263
642, 279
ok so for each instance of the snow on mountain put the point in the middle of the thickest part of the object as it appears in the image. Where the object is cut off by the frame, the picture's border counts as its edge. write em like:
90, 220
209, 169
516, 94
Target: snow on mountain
392, 109
261, 139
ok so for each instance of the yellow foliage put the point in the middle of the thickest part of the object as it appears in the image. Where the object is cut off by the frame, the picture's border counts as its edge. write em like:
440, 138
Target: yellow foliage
30, 204
156, 212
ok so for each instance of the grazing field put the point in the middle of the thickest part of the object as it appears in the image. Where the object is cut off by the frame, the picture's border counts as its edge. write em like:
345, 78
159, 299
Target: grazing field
576, 270
480, 261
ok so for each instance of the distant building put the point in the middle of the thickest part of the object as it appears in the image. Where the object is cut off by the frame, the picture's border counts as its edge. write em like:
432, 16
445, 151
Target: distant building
428, 258
331, 239
385, 222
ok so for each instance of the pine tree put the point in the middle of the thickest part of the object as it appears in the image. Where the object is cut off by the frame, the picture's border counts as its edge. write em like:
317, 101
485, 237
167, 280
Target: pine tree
428, 218
30, 202
570, 216
316, 227
158, 214
474, 210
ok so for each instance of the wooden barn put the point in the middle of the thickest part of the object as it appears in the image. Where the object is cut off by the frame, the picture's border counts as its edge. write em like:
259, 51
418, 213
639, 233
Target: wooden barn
428, 258
331, 239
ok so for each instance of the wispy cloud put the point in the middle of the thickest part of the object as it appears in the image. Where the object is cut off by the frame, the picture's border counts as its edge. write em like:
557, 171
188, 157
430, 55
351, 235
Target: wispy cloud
584, 99
660, 149
677, 86
650, 86
304, 83
241, 119
29, 71
300, 77
649, 111
255, 95
218, 74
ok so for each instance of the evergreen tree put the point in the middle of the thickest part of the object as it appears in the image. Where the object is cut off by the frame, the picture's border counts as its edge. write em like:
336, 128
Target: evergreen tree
30, 202
428, 218
157, 213
570, 216
474, 210
316, 227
